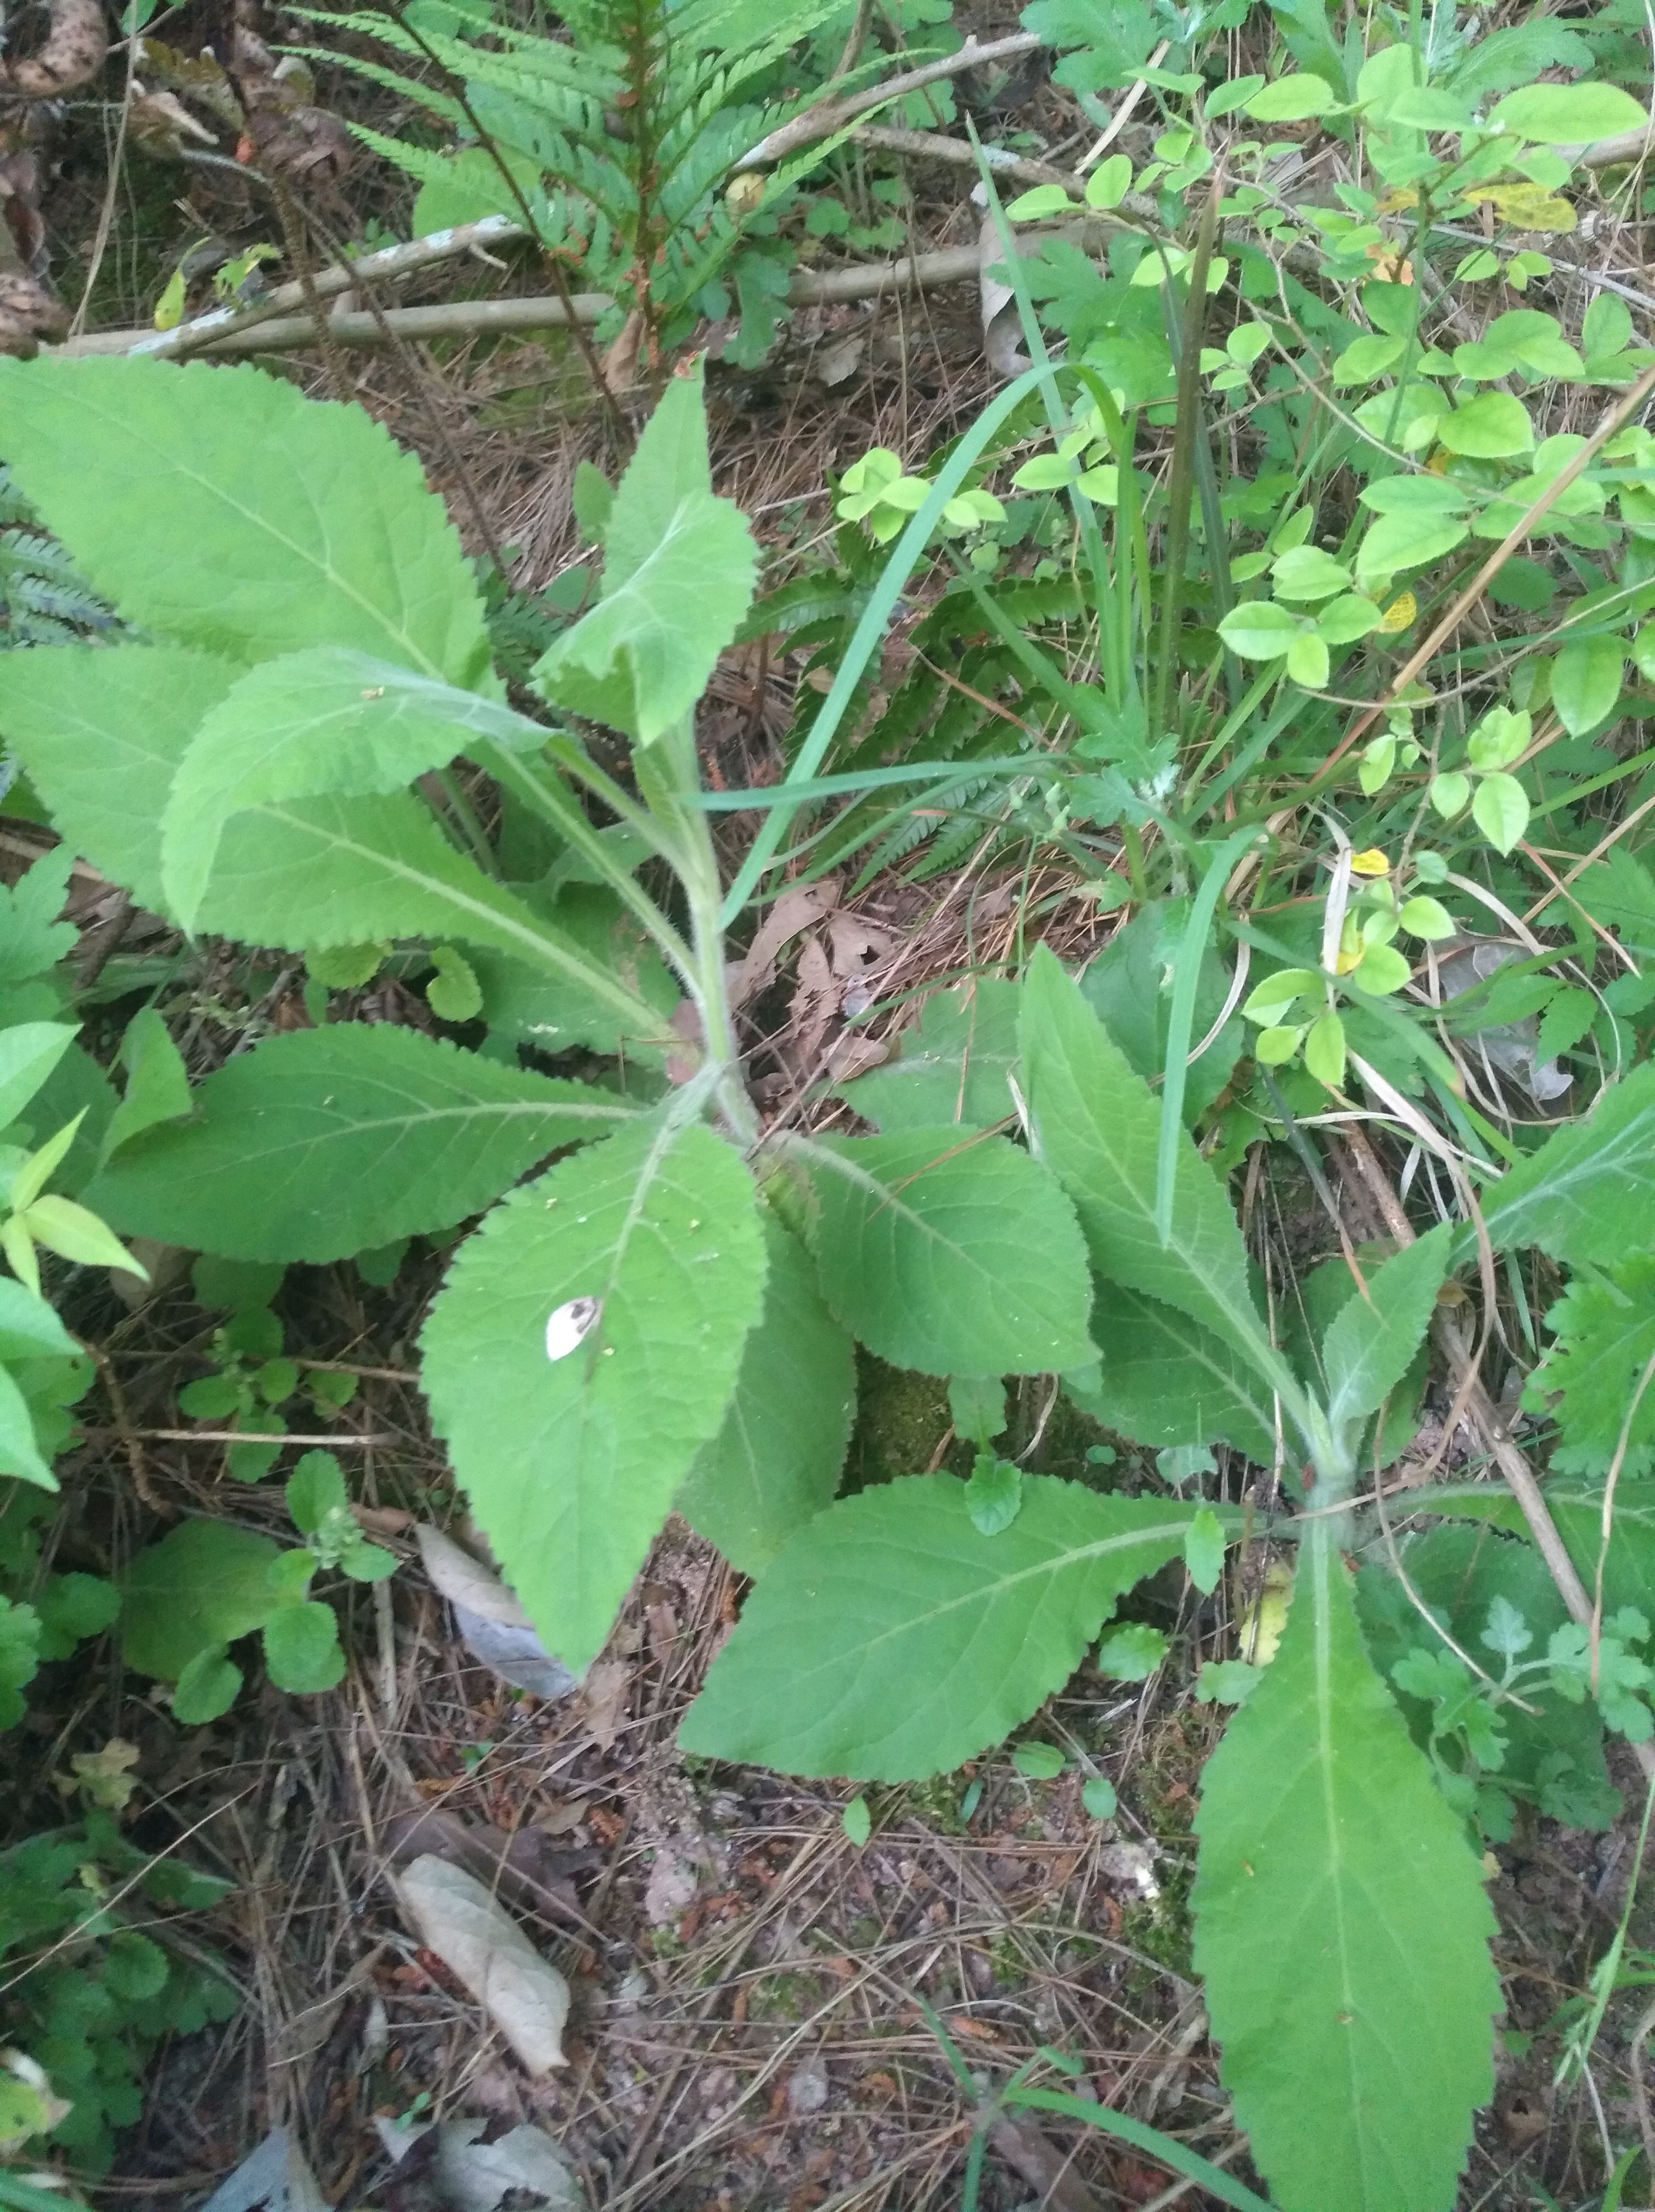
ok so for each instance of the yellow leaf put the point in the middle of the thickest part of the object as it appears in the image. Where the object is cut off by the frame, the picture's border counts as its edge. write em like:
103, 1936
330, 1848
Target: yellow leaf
1258, 1632
1400, 197
1400, 612
1370, 863
1529, 206
1346, 963
1389, 266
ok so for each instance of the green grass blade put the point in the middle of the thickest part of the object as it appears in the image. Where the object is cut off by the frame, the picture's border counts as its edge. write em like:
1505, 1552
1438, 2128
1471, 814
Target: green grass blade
1181, 1019
1167, 2149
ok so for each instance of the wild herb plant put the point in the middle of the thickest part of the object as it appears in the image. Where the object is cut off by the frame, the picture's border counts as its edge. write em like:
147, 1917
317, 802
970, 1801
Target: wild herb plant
302, 744
666, 1314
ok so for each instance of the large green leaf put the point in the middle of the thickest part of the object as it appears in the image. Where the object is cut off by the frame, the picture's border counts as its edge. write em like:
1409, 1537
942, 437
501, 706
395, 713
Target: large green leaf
679, 570
553, 1013
1589, 1192
101, 731
1577, 1508
1097, 1127
893, 1640
327, 1142
1163, 1379
952, 1068
204, 1585
775, 1461
220, 507
1129, 987
1341, 1928
327, 720
1371, 1339
956, 1255
572, 1462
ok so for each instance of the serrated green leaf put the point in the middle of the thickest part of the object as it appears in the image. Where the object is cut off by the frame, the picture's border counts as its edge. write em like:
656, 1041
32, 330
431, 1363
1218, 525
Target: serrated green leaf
327, 720
325, 1142
775, 1461
994, 1495
346, 967
314, 1489
100, 731
1372, 1340
31, 938
952, 1068
1341, 1927
571, 1462
1605, 1333
1588, 1194
1132, 1652
891, 1639
1577, 1508
209, 1686
202, 1587
301, 1647
220, 507
1163, 1379
956, 1255
978, 1407
1098, 1797
453, 993
1567, 1018
1098, 1128
678, 571
20, 1636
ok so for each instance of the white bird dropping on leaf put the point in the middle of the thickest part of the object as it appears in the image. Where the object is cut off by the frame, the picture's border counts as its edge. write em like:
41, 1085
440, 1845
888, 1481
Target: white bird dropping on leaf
570, 1324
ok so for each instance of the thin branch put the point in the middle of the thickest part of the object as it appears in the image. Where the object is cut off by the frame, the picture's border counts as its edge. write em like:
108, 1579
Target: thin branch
920, 272
392, 263
831, 115
934, 145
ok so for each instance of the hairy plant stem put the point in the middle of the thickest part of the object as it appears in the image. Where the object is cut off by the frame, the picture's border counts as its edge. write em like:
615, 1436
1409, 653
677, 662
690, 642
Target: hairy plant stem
669, 778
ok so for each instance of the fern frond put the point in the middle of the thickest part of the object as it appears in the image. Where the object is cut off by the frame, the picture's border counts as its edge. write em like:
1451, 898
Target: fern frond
426, 164
442, 105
